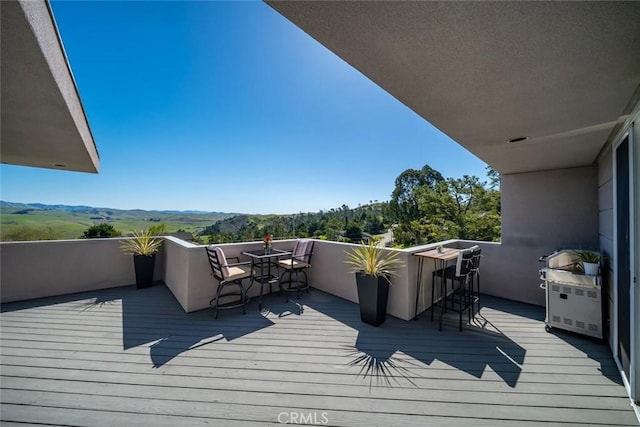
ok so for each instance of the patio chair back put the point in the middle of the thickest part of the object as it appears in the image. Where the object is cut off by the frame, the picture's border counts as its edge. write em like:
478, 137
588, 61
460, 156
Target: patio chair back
218, 262
303, 250
464, 264
476, 255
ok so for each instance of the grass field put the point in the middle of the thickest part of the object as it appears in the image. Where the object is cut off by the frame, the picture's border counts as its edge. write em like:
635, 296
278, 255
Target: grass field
24, 222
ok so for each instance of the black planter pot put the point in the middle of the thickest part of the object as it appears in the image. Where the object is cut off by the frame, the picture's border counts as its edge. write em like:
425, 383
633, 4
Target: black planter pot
144, 270
373, 294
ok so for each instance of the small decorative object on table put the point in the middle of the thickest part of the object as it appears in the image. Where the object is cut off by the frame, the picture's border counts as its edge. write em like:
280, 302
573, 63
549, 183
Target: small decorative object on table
267, 243
440, 249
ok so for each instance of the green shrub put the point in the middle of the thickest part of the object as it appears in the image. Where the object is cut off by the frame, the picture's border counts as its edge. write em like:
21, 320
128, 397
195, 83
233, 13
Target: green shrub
100, 231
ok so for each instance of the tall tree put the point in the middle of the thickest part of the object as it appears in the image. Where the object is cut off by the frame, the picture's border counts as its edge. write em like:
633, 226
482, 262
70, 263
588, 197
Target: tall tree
403, 207
459, 208
494, 178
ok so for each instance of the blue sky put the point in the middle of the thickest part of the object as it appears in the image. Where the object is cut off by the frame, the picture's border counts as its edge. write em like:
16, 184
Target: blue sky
227, 106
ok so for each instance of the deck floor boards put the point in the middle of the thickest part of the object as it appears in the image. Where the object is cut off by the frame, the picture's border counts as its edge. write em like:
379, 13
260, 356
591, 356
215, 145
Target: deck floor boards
132, 357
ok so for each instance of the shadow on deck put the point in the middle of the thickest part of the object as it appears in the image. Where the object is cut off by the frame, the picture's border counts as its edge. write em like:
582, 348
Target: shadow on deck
152, 317
97, 358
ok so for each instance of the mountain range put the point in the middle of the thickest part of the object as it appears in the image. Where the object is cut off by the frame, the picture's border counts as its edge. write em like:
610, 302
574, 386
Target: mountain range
83, 208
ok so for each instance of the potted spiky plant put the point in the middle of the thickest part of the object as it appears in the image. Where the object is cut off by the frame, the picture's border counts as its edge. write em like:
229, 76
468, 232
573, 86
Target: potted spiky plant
143, 245
373, 267
589, 261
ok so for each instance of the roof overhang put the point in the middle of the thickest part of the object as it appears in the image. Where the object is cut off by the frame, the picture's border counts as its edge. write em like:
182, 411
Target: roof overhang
43, 123
562, 74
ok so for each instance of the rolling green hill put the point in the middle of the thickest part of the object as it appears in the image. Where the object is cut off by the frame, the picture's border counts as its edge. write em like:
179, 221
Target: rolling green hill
36, 221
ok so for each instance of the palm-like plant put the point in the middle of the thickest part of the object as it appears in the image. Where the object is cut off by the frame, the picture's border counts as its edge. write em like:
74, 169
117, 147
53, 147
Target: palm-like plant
588, 256
372, 260
143, 242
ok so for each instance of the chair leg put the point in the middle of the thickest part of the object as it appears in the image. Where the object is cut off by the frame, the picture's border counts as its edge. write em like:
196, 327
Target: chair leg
433, 287
290, 281
470, 300
461, 296
242, 298
444, 297
217, 299
281, 280
478, 277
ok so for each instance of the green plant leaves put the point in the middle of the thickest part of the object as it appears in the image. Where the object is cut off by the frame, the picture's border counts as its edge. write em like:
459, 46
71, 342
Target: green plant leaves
373, 260
143, 242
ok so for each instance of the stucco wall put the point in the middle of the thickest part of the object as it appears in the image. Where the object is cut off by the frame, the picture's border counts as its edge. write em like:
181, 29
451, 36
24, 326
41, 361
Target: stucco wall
188, 274
491, 264
605, 235
42, 114
543, 212
330, 274
46, 268
82, 265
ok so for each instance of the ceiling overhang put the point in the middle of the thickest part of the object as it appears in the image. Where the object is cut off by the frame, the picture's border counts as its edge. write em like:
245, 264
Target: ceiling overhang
562, 74
43, 123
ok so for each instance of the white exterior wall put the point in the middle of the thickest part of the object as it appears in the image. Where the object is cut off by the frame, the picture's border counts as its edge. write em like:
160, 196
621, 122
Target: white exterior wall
607, 214
605, 234
543, 212
188, 274
47, 268
330, 274
82, 265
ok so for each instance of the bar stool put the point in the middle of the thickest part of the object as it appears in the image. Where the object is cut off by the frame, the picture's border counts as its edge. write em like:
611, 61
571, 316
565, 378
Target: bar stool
461, 297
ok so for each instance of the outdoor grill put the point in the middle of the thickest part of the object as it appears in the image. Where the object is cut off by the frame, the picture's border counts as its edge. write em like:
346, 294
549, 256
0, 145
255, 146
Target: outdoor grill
573, 299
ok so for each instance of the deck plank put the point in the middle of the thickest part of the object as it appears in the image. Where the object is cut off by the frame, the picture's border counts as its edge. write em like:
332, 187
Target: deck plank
126, 356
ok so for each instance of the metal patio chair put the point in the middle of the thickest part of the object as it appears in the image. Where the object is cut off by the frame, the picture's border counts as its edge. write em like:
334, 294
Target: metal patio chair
299, 262
228, 276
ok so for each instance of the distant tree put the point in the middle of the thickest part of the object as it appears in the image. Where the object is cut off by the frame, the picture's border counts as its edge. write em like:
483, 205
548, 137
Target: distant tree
373, 224
27, 233
100, 230
156, 230
353, 232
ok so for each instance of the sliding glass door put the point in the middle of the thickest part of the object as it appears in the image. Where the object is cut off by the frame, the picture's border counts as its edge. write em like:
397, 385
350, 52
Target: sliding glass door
623, 254
626, 259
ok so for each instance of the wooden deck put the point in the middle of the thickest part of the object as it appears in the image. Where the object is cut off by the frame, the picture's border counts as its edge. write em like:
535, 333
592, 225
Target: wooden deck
133, 357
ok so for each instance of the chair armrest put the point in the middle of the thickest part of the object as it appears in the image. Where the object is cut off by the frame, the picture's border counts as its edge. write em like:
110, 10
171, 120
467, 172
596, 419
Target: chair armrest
233, 264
